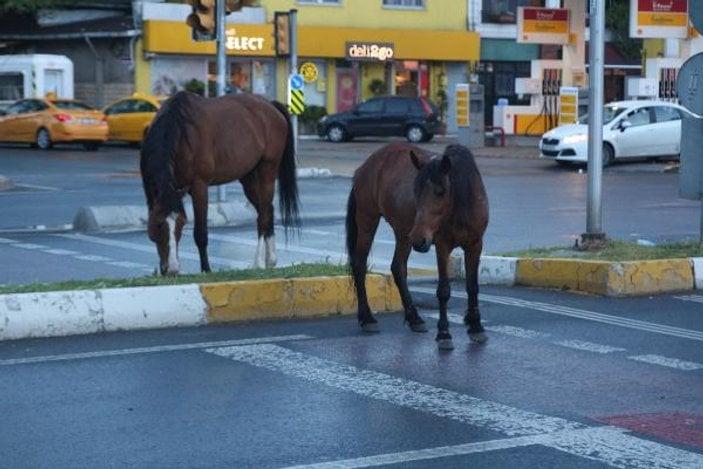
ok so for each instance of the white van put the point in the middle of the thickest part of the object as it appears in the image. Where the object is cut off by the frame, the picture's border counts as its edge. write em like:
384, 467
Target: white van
33, 76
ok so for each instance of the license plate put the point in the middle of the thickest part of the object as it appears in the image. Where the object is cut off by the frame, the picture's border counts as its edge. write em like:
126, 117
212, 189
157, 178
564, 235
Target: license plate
87, 120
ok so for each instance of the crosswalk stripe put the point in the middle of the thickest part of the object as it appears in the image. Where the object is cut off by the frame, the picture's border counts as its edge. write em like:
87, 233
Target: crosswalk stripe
605, 444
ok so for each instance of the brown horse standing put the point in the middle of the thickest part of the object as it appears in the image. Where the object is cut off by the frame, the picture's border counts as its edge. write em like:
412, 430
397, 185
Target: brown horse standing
425, 199
194, 143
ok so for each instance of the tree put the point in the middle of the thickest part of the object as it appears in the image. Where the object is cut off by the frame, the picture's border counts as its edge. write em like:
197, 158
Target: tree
617, 20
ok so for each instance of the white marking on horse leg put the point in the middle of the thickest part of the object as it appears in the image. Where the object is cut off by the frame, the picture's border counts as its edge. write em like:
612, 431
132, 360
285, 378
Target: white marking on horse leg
173, 264
260, 259
271, 251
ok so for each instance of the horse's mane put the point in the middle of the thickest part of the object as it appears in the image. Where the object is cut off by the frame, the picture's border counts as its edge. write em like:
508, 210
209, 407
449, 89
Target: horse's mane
158, 152
463, 176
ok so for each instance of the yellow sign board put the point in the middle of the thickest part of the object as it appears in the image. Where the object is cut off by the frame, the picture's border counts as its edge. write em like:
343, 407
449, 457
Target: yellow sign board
309, 72
461, 98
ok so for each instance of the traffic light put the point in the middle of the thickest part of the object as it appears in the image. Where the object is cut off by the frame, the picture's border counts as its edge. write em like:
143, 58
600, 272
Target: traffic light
281, 22
203, 20
235, 5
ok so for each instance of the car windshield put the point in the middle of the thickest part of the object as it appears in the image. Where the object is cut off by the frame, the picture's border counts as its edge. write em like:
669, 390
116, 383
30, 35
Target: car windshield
610, 112
71, 105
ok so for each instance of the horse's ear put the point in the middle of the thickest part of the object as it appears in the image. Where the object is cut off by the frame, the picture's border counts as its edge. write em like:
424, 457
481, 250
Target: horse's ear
416, 161
446, 164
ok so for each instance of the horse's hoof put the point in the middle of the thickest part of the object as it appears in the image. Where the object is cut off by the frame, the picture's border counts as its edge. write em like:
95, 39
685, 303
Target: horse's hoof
478, 337
445, 344
371, 327
418, 325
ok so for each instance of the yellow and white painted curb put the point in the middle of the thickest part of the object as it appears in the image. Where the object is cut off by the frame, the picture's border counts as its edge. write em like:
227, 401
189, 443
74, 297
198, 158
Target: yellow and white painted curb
595, 277
48, 314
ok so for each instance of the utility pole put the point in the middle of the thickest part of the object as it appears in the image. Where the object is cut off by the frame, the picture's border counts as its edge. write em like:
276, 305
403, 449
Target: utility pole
594, 237
221, 75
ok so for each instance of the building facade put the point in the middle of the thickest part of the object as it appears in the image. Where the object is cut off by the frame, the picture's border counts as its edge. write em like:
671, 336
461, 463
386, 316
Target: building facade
356, 49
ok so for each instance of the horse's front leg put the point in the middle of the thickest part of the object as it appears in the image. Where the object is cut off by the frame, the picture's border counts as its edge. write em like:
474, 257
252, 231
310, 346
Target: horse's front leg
199, 196
399, 268
444, 338
472, 318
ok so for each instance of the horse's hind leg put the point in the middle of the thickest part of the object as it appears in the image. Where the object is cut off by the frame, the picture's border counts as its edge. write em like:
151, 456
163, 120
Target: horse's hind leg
399, 268
366, 230
259, 192
199, 196
472, 318
444, 338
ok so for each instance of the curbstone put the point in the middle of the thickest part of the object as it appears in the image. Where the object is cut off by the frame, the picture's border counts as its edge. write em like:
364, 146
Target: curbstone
128, 217
607, 278
697, 265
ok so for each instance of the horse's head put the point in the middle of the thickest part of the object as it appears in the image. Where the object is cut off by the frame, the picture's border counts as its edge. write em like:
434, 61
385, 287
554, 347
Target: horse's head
165, 225
433, 199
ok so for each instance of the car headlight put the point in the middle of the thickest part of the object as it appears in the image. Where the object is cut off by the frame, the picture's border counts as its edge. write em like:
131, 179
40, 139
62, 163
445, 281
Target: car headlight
578, 138
322, 119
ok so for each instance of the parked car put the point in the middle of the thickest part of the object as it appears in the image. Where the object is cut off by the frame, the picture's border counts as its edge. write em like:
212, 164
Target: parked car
42, 122
631, 129
416, 119
129, 118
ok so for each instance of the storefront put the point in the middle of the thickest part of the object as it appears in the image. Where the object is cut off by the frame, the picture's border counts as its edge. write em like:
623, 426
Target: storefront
352, 64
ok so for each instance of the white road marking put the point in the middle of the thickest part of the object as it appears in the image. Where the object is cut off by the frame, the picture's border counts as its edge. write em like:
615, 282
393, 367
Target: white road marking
517, 332
151, 249
696, 298
609, 445
92, 258
589, 346
31, 246
155, 349
130, 265
61, 252
668, 362
581, 314
7, 241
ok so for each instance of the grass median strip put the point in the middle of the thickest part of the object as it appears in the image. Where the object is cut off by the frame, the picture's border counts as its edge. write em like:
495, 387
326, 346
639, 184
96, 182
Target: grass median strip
293, 271
618, 251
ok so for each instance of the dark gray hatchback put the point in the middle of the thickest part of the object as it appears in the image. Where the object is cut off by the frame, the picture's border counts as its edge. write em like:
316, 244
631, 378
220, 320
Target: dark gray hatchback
416, 119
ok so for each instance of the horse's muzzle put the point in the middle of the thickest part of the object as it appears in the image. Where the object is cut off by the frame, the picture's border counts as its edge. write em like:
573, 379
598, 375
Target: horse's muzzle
422, 245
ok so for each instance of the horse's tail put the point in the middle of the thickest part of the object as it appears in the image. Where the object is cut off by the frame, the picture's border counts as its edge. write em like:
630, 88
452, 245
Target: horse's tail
352, 229
158, 152
287, 179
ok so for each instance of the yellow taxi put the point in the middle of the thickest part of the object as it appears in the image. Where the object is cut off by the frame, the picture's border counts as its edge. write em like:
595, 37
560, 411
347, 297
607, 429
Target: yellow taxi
42, 122
129, 118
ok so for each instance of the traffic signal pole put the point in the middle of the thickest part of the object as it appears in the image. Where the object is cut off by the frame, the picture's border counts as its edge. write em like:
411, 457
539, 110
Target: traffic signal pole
221, 70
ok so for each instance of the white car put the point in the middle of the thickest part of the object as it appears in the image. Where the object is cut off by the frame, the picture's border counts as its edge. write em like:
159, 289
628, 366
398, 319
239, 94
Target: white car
631, 129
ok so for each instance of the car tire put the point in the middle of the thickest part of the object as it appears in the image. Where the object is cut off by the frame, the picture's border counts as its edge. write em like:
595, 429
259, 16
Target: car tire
608, 154
43, 139
336, 134
91, 146
415, 134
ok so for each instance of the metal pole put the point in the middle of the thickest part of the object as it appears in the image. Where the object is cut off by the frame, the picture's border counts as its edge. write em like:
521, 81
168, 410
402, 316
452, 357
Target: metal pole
293, 33
594, 231
221, 69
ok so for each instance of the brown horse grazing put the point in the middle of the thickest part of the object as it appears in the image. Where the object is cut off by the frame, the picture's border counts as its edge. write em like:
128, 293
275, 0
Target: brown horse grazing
426, 200
194, 143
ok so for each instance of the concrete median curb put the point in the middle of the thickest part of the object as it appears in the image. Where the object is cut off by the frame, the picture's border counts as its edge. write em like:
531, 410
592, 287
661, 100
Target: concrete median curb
50, 314
629, 278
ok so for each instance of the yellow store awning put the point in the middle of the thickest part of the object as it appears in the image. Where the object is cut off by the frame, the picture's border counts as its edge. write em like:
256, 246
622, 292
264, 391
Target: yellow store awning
169, 37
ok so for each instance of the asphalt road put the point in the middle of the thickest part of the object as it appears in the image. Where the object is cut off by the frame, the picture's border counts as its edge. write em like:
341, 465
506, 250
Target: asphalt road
563, 381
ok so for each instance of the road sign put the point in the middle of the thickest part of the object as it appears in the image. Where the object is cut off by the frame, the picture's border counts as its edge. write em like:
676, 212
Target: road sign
309, 72
689, 84
297, 101
296, 81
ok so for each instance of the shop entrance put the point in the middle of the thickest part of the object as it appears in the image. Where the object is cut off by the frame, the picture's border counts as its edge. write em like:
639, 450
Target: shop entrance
412, 78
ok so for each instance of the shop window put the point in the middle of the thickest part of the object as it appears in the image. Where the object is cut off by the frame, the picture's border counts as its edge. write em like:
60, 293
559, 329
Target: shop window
504, 11
404, 3
11, 86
